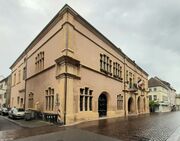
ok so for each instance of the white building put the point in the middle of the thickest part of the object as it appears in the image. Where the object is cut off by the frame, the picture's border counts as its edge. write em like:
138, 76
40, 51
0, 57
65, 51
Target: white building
178, 102
3, 94
161, 91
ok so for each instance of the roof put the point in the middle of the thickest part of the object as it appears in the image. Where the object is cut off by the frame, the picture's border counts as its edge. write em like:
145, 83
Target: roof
82, 20
5, 79
154, 82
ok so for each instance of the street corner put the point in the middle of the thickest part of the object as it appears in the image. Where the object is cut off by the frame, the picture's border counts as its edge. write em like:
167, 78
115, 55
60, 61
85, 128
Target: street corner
28, 123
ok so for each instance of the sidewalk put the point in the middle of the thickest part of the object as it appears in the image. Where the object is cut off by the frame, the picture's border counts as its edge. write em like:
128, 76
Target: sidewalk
175, 136
28, 124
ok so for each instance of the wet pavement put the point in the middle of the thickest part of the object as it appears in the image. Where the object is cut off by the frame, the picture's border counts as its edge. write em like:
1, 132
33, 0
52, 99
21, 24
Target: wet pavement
6, 125
154, 127
12, 129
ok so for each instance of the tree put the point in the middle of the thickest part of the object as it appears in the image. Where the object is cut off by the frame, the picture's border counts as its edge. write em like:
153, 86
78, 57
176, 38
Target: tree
152, 105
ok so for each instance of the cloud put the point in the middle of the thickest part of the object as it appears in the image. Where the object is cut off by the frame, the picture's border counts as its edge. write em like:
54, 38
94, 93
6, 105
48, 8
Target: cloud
147, 31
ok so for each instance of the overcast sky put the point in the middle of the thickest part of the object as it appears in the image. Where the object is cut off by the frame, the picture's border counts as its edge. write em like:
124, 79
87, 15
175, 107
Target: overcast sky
147, 31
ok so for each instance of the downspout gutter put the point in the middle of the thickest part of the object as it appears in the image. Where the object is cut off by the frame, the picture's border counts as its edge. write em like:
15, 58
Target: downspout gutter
25, 84
65, 82
65, 93
124, 87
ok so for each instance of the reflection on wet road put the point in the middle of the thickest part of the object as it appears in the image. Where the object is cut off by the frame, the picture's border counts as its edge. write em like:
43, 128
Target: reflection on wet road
156, 127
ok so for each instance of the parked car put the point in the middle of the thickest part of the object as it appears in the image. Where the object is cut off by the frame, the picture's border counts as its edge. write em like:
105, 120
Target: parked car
16, 113
4, 111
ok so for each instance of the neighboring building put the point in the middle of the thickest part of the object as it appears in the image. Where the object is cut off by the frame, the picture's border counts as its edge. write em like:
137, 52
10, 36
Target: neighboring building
4, 94
178, 102
161, 92
71, 69
8, 91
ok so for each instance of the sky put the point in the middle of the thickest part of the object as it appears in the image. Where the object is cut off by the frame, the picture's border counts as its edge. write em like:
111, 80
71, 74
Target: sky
147, 31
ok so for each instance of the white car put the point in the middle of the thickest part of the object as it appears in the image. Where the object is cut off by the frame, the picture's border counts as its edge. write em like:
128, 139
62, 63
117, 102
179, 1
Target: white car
16, 113
4, 111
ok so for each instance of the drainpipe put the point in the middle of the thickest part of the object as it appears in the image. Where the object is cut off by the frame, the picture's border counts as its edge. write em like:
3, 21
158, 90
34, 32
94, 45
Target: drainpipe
25, 84
124, 88
65, 93
65, 83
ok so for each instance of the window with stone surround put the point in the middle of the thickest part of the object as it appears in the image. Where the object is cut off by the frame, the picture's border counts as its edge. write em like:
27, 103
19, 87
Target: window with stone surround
18, 100
119, 102
14, 79
39, 61
21, 102
49, 99
85, 99
130, 80
117, 70
31, 100
150, 97
24, 73
19, 76
127, 76
105, 64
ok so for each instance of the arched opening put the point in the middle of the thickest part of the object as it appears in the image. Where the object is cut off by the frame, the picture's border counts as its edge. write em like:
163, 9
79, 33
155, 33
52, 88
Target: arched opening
130, 105
139, 104
144, 105
102, 105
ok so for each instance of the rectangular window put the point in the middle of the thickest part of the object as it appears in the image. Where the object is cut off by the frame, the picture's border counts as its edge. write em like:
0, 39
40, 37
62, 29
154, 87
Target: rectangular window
117, 70
39, 61
52, 103
31, 100
86, 103
49, 98
24, 73
105, 64
120, 72
47, 102
18, 100
119, 102
127, 75
15, 79
90, 103
150, 97
86, 99
21, 105
19, 76
86, 90
81, 103
155, 97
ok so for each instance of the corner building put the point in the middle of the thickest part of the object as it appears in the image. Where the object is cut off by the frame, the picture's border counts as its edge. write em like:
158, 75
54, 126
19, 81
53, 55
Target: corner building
72, 70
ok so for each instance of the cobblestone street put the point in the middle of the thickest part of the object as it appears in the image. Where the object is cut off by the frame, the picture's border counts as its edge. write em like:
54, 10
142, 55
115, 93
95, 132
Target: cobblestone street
155, 127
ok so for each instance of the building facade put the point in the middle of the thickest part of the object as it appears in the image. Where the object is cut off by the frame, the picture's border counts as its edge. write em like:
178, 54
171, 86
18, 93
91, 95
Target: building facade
178, 102
5, 92
72, 70
161, 92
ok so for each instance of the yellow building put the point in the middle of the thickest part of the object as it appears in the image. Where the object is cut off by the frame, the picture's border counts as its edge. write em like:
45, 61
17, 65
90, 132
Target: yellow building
72, 70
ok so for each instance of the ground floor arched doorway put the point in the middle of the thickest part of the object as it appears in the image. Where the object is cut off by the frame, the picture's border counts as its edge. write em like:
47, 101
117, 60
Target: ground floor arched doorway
102, 105
144, 105
139, 104
130, 105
